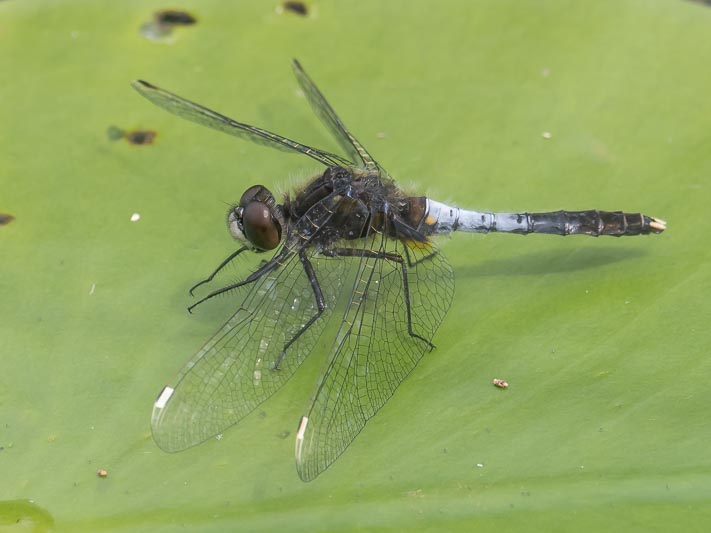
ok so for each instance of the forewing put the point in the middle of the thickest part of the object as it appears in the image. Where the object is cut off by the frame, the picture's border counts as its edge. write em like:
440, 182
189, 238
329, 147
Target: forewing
323, 110
235, 370
212, 119
374, 350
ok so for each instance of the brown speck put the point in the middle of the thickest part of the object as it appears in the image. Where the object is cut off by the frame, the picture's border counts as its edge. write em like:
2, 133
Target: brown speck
174, 17
500, 383
141, 136
115, 133
164, 21
101, 472
298, 8
5, 219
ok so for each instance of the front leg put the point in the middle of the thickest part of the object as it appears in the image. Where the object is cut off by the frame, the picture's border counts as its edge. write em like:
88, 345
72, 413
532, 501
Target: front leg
271, 265
320, 305
224, 263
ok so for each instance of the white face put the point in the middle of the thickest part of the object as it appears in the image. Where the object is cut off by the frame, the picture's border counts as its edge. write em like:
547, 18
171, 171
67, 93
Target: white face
234, 225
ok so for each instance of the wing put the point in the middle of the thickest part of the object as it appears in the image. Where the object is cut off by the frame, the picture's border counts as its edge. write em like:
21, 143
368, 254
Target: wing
376, 347
202, 115
323, 110
234, 372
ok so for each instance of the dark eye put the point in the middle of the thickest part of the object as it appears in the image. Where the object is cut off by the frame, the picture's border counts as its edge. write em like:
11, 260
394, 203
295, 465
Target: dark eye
259, 227
257, 193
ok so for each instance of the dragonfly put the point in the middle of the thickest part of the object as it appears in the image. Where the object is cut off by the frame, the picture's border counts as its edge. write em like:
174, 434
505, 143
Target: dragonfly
350, 237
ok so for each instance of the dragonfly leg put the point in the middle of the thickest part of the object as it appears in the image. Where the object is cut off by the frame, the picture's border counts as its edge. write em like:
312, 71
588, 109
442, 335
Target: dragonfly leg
320, 304
422, 259
220, 267
254, 276
386, 256
409, 236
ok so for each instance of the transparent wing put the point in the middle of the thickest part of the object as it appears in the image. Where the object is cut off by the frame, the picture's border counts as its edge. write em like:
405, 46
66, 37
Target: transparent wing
202, 115
323, 110
234, 372
376, 347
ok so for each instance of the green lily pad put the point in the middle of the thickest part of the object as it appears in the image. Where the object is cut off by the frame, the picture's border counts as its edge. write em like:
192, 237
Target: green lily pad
508, 106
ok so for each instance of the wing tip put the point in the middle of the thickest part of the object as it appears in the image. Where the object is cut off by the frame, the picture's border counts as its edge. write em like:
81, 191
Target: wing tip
141, 85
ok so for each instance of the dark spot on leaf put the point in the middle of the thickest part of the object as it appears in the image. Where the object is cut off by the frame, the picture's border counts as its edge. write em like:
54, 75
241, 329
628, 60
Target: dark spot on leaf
115, 133
141, 136
164, 21
296, 7
173, 17
284, 434
5, 219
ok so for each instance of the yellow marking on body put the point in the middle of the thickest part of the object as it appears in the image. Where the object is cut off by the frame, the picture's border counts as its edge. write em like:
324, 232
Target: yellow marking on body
430, 220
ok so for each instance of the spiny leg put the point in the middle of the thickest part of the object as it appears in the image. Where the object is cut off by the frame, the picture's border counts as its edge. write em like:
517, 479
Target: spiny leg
254, 276
422, 259
409, 236
220, 267
396, 258
320, 304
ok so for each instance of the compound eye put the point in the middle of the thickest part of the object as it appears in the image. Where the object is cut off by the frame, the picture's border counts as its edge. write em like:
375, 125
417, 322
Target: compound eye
262, 230
258, 193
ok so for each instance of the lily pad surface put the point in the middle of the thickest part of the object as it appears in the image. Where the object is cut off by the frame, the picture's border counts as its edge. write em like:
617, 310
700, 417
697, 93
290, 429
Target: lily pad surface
112, 209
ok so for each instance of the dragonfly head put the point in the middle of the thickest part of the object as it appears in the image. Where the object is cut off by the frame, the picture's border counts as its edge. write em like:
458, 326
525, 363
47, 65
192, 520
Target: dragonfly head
257, 220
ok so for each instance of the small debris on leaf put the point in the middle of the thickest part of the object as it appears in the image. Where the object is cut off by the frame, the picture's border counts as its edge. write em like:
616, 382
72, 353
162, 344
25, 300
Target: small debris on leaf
500, 383
141, 136
164, 21
174, 17
115, 133
101, 472
5, 219
296, 7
